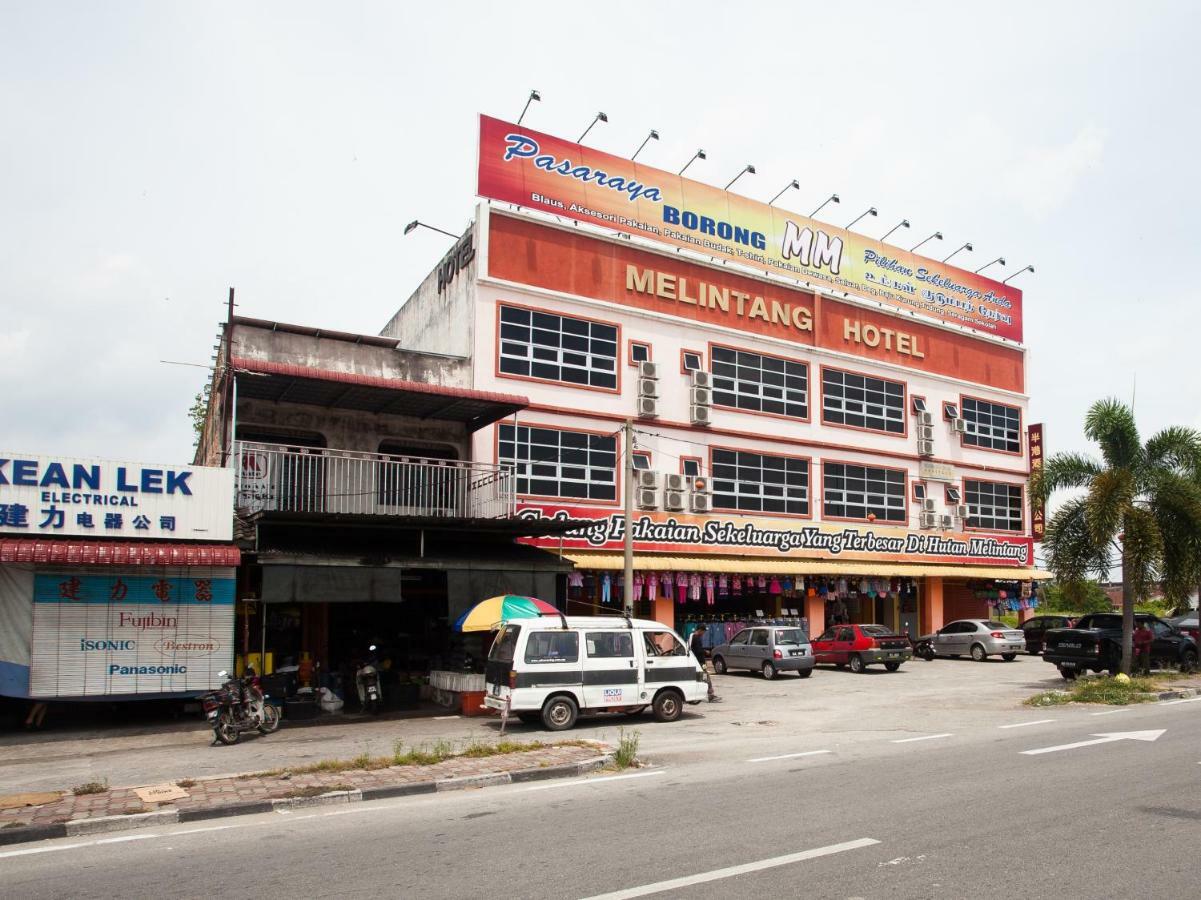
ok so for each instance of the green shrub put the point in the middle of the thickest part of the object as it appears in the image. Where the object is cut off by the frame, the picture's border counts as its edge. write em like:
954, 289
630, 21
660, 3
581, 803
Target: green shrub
626, 754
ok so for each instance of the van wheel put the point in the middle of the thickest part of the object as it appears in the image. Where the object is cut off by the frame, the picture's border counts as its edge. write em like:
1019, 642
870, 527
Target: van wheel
978, 653
719, 665
668, 706
559, 713
528, 718
856, 663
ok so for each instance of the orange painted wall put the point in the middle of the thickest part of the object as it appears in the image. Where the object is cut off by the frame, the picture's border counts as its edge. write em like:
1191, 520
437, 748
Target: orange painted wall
959, 602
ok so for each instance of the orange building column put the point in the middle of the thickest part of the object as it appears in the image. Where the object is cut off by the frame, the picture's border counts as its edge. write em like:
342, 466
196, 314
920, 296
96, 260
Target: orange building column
815, 612
665, 611
1024, 614
931, 606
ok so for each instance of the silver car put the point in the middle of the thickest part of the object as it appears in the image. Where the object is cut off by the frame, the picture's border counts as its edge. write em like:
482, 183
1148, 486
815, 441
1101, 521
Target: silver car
766, 649
977, 638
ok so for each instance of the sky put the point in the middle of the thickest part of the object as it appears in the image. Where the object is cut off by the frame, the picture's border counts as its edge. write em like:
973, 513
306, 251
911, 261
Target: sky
154, 154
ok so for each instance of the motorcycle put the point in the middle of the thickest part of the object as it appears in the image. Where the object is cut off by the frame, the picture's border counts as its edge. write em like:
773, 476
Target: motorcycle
367, 680
924, 648
239, 706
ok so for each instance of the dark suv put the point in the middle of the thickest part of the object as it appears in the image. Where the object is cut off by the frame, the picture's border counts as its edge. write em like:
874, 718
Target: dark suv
1035, 628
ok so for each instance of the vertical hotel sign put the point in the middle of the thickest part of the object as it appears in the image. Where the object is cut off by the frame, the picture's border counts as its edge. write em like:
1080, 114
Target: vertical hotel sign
528, 168
1038, 510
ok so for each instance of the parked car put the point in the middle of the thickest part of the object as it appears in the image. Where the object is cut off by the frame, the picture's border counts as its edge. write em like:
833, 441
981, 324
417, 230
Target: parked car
766, 649
977, 638
1035, 628
1188, 624
1095, 645
859, 646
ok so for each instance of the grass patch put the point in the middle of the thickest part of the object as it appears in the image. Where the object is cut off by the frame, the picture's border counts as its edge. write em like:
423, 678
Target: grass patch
626, 754
317, 790
1049, 698
480, 751
1099, 689
186, 783
90, 787
425, 755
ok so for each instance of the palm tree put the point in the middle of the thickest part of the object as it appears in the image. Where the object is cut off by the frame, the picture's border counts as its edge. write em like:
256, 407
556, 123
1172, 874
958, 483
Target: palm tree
1140, 503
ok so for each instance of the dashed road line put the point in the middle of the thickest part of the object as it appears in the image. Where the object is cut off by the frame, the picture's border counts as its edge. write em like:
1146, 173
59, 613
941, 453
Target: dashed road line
1024, 724
760, 759
1110, 712
565, 784
924, 737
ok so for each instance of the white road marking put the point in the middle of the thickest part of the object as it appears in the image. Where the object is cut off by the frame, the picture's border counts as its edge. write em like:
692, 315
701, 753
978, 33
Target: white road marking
1185, 700
209, 828
129, 837
29, 851
1024, 724
789, 755
924, 737
1110, 712
444, 718
1100, 739
563, 784
733, 871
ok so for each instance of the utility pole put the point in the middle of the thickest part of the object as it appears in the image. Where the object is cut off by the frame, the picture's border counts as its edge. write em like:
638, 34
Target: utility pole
628, 582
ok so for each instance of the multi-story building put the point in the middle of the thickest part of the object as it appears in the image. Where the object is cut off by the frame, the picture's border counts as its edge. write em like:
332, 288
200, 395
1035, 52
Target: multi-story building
799, 449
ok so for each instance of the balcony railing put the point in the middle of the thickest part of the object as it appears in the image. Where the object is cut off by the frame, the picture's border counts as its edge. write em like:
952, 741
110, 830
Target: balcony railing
281, 478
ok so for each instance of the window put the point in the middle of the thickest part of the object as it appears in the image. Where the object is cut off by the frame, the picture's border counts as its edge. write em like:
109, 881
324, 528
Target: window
755, 482
553, 463
691, 361
918, 404
663, 643
919, 491
505, 644
558, 348
757, 383
992, 426
552, 647
827, 635
742, 637
950, 411
609, 644
759, 637
1160, 629
952, 494
994, 505
854, 492
690, 466
639, 352
863, 402
846, 634
641, 460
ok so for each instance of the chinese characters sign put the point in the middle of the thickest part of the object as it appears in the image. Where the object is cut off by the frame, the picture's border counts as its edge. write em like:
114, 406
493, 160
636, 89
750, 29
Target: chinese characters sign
1038, 511
51, 496
113, 634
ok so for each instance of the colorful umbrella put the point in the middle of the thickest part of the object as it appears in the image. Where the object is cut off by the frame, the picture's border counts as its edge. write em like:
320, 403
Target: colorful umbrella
488, 614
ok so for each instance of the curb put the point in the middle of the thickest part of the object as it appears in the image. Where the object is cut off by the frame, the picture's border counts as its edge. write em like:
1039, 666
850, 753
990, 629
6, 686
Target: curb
106, 824
1177, 694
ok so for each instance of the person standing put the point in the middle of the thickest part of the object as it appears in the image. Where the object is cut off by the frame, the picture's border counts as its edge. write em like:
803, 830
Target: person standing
697, 645
1142, 648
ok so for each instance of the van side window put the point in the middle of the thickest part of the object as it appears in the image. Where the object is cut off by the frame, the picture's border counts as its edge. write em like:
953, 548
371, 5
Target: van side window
663, 643
552, 647
609, 644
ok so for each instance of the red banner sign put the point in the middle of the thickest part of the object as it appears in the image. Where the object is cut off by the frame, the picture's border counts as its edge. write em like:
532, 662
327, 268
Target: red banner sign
1038, 511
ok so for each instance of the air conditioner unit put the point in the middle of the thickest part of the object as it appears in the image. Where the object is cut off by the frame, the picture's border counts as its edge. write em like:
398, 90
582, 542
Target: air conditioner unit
648, 369
648, 387
925, 417
929, 505
962, 511
701, 503
929, 520
959, 426
947, 522
702, 396
676, 482
673, 501
648, 498
701, 379
648, 479
701, 415
925, 432
648, 407
699, 485
925, 448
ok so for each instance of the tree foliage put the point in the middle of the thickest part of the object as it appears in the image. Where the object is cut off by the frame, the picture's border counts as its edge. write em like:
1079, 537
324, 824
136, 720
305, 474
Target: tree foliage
197, 413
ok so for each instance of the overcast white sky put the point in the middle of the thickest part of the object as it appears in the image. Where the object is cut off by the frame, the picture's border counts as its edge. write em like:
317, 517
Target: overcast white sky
152, 154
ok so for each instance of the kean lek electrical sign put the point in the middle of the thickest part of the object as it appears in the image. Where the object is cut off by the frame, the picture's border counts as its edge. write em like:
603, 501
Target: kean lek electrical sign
119, 634
54, 496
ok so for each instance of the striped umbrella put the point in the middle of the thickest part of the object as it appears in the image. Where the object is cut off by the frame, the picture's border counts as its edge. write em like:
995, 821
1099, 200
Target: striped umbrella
488, 614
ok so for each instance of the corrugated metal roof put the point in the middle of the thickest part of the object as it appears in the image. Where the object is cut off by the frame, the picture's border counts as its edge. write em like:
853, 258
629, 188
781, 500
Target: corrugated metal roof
116, 553
758, 566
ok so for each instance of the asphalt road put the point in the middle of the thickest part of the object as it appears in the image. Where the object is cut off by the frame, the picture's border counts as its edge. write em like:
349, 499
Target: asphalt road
957, 812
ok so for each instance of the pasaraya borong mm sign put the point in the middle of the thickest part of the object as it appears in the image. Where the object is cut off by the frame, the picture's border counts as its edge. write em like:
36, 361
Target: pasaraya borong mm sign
58, 496
529, 168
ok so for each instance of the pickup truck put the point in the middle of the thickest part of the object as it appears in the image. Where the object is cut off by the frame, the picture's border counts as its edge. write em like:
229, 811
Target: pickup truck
1095, 644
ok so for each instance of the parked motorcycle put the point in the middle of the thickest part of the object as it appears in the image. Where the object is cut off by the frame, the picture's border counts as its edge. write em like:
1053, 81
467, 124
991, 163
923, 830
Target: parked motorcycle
239, 706
924, 648
367, 680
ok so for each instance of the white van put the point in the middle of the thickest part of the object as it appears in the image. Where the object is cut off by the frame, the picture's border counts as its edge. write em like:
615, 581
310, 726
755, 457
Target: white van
552, 669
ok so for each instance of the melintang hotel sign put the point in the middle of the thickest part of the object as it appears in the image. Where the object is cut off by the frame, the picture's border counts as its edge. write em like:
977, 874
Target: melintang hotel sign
525, 167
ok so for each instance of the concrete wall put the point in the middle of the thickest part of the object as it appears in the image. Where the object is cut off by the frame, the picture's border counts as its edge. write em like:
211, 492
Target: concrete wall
440, 321
465, 588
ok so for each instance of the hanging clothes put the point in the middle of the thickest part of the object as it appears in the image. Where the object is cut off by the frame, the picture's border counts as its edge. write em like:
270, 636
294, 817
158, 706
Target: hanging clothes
681, 587
652, 586
606, 588
709, 588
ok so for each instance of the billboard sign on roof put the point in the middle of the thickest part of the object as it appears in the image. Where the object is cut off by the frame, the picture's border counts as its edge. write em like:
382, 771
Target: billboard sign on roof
528, 168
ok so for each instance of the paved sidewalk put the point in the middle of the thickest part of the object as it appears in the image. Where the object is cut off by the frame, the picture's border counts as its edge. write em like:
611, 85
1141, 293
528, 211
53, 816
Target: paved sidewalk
213, 793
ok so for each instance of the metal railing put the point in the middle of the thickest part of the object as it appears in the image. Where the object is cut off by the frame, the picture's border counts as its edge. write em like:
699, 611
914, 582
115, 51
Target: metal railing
282, 478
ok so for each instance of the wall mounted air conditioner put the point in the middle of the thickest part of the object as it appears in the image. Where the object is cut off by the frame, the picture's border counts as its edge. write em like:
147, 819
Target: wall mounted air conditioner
700, 503
925, 448
648, 407
925, 432
701, 415
699, 484
673, 500
701, 396
929, 505
701, 379
648, 369
959, 426
648, 498
962, 511
929, 520
947, 523
648, 387
676, 482
925, 417
647, 479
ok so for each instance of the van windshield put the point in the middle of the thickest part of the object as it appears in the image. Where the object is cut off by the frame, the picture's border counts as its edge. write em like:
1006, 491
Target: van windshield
505, 644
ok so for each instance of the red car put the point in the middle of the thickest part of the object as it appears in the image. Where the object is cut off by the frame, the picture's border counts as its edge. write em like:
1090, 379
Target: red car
858, 646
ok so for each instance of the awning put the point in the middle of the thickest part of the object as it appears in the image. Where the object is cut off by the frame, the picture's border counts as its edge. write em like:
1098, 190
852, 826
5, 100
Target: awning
116, 553
271, 381
750, 565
